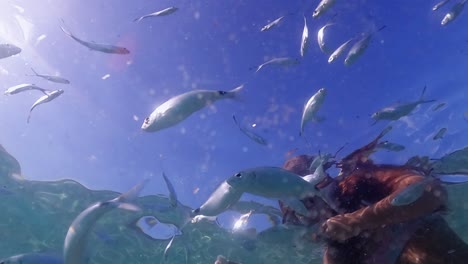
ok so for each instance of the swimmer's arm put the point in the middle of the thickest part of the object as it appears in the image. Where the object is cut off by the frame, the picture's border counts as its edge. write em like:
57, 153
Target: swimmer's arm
382, 213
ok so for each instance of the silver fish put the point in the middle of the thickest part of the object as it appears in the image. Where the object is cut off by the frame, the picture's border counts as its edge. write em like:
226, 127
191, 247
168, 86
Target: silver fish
164, 12
285, 61
390, 146
322, 7
76, 239
219, 201
172, 193
55, 79
453, 13
411, 193
440, 134
311, 107
397, 112
337, 53
359, 47
439, 5
8, 50
272, 24
271, 182
321, 39
44, 99
24, 87
305, 38
34, 258
180, 107
260, 140
97, 46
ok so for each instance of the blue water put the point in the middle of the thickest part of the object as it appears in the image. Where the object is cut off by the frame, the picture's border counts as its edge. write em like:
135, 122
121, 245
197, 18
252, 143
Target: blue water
92, 133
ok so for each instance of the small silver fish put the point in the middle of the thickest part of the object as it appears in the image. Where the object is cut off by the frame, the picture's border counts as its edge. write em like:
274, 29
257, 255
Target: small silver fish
440, 134
44, 99
305, 39
97, 46
411, 193
8, 50
322, 7
172, 193
271, 182
439, 5
180, 107
285, 61
337, 53
397, 112
453, 13
321, 38
55, 79
24, 87
260, 140
272, 24
437, 107
390, 146
34, 258
311, 107
359, 47
77, 236
164, 12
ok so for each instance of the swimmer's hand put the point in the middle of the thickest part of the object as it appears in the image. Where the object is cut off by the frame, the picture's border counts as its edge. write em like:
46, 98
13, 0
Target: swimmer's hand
340, 228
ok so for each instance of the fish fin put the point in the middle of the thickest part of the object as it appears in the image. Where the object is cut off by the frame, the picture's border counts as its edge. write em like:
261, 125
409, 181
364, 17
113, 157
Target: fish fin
138, 19
34, 71
133, 192
235, 120
64, 29
296, 205
427, 101
421, 98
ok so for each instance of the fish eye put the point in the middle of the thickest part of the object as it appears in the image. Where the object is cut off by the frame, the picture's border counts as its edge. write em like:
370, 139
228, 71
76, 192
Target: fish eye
222, 92
238, 175
147, 120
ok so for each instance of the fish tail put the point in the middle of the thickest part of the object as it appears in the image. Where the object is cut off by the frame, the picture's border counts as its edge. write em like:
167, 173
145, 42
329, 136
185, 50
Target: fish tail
234, 93
133, 193
138, 19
